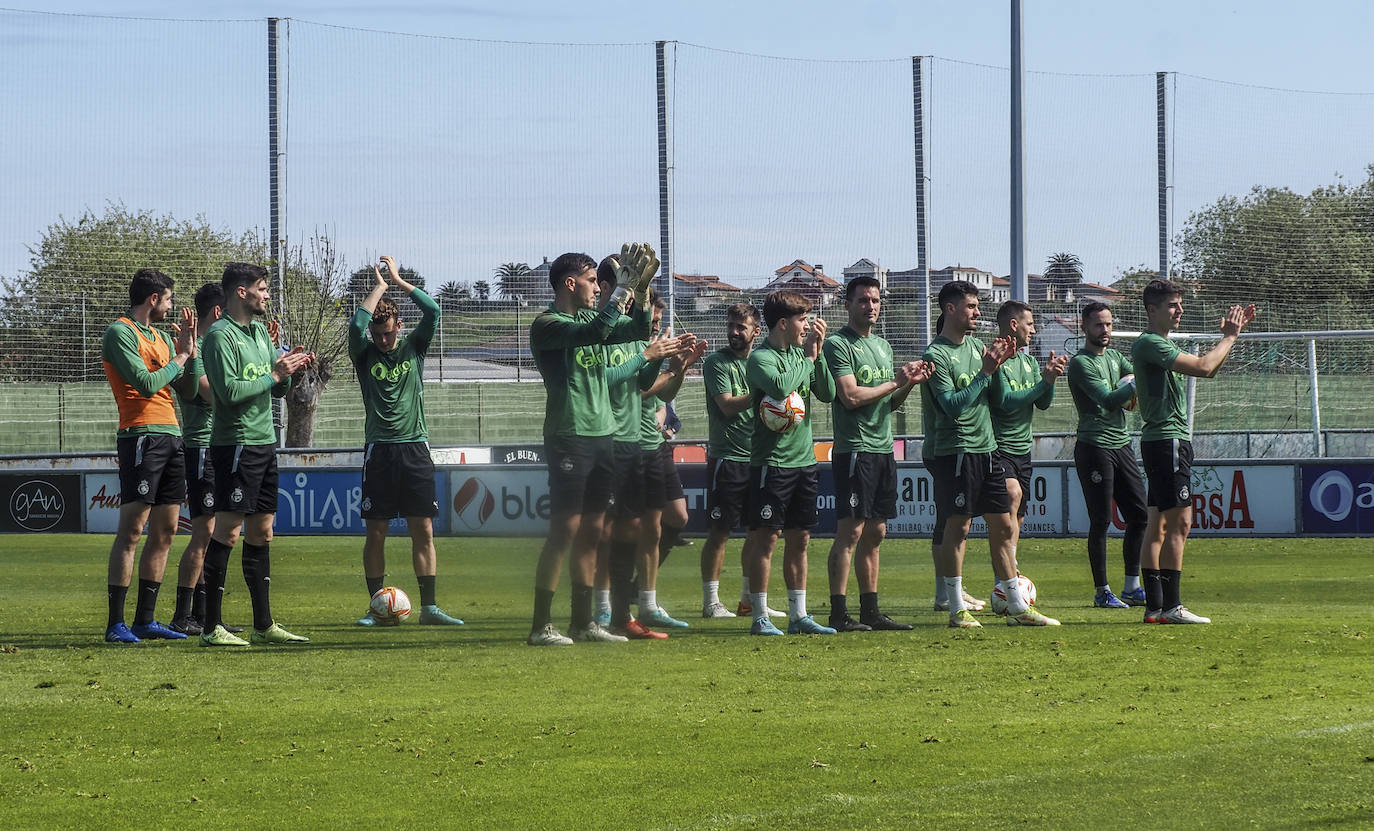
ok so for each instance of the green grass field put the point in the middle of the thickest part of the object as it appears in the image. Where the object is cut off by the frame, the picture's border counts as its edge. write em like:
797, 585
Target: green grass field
1262, 720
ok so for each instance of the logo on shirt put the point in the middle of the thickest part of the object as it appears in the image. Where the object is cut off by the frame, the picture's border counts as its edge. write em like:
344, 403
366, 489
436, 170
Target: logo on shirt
252, 372
586, 357
867, 375
382, 372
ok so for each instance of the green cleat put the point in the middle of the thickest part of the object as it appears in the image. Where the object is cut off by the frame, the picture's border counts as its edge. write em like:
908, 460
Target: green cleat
434, 616
219, 636
964, 619
276, 634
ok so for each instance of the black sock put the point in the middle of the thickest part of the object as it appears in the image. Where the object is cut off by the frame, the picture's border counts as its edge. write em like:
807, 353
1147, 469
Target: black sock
1154, 592
427, 590
183, 609
375, 584
868, 604
1169, 580
621, 567
146, 605
198, 600
839, 607
582, 597
543, 609
214, 569
115, 595
257, 573
666, 540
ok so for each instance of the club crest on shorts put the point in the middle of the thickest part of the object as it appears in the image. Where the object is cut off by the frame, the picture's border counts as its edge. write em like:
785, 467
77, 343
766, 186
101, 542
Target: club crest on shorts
1183, 493
566, 465
367, 503
715, 512
959, 501
236, 497
143, 488
209, 500
853, 500
766, 512
1096, 477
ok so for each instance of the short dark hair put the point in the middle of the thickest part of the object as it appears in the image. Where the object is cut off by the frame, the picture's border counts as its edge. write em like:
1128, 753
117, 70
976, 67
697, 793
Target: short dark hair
939, 323
1160, 291
783, 303
146, 283
861, 281
208, 298
743, 312
1011, 309
1090, 309
240, 274
569, 265
605, 273
954, 291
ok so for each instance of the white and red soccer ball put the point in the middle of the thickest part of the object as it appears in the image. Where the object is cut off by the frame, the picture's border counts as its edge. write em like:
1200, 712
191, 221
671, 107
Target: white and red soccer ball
781, 416
390, 605
999, 598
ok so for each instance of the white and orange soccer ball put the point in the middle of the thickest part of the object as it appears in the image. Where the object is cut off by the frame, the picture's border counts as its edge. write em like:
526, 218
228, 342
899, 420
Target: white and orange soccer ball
999, 599
781, 416
390, 605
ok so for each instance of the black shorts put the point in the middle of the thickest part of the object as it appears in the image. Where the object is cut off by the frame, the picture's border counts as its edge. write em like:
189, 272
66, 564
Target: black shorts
398, 480
1169, 472
937, 533
865, 485
727, 492
662, 483
969, 484
783, 497
245, 478
1108, 476
151, 469
627, 490
1017, 466
200, 481
581, 473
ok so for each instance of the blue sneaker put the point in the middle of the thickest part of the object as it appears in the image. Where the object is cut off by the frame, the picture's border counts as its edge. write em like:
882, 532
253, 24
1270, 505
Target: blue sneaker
119, 633
1134, 597
807, 626
658, 617
1106, 600
152, 630
370, 619
764, 626
434, 616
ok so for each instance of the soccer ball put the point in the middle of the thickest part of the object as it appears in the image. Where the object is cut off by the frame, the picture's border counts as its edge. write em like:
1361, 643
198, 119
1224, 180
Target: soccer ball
781, 416
1127, 379
999, 599
390, 605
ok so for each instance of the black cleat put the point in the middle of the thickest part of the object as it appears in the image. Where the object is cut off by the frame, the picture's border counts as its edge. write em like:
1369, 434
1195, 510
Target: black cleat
882, 623
187, 626
847, 624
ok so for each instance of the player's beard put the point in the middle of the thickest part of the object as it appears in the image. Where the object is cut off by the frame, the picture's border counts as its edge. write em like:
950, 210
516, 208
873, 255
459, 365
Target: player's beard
737, 343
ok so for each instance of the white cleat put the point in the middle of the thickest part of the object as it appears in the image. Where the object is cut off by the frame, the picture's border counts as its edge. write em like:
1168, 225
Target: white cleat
548, 636
596, 633
716, 610
1178, 614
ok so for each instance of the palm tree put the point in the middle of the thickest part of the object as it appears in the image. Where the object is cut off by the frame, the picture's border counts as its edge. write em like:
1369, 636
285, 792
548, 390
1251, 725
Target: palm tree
481, 290
1064, 268
453, 292
513, 280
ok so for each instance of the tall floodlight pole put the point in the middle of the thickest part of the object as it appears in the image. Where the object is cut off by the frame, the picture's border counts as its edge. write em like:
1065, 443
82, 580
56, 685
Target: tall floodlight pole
665, 187
1019, 290
276, 194
918, 117
1162, 163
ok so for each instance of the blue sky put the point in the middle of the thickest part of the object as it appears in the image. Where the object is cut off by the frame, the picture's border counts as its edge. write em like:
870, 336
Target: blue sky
461, 156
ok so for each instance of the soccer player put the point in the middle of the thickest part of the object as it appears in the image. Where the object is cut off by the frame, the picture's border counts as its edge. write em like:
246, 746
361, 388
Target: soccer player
867, 390
1019, 388
968, 479
141, 363
1166, 448
1102, 382
196, 418
245, 373
398, 472
730, 425
783, 472
579, 428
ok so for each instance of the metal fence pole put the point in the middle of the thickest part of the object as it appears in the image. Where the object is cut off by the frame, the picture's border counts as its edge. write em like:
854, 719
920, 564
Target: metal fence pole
665, 186
276, 205
1316, 410
1162, 163
918, 132
1019, 289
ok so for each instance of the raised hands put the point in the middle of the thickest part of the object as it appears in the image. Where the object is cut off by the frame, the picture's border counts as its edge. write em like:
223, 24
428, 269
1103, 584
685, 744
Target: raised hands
815, 338
914, 372
688, 355
1054, 367
667, 346
1236, 319
186, 333
291, 363
634, 269
997, 352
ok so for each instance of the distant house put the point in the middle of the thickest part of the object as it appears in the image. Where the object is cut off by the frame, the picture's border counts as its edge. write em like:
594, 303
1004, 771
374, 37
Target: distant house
540, 293
811, 281
867, 268
703, 291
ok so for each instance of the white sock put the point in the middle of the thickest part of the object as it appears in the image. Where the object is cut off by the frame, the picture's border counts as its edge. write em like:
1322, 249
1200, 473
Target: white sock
744, 589
648, 601
710, 592
1016, 604
796, 604
1132, 583
954, 593
603, 600
759, 600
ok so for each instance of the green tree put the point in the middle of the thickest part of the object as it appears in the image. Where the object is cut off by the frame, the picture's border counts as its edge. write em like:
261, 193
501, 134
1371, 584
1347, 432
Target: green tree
481, 290
515, 280
452, 293
55, 313
1063, 271
314, 312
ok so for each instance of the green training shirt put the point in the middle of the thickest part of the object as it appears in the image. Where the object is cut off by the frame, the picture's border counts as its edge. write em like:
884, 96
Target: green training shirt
650, 437
1017, 390
957, 393
197, 415
567, 351
730, 437
779, 373
866, 429
1163, 402
1092, 382
238, 364
626, 374
392, 382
